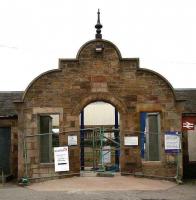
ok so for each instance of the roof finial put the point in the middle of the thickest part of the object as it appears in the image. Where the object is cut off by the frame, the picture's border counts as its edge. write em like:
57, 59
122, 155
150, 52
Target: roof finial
98, 26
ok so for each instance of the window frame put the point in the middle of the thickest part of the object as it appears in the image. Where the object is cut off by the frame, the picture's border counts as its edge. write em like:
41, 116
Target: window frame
157, 114
51, 161
146, 144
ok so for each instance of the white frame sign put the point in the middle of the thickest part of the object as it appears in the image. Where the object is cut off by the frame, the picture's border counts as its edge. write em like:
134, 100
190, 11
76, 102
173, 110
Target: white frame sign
61, 159
131, 140
72, 140
172, 142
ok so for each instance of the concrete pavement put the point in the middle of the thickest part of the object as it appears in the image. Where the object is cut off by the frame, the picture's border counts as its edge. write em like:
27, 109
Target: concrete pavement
139, 189
116, 183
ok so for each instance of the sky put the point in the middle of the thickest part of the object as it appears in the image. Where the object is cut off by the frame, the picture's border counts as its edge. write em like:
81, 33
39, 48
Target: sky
34, 34
99, 107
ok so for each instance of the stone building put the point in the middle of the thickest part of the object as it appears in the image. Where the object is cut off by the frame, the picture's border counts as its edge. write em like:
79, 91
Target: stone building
147, 104
9, 133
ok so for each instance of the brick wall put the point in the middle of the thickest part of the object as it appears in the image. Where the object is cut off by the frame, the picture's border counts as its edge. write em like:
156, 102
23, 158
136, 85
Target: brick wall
93, 76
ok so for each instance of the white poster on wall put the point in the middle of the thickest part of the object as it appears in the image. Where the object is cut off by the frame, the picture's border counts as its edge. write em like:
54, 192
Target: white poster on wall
131, 140
61, 159
72, 140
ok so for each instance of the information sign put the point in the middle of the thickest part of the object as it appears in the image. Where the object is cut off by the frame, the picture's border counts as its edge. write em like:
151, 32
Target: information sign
61, 159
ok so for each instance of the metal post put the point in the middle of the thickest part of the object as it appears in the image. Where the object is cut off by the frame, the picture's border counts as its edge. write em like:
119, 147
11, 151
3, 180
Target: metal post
96, 160
25, 156
116, 136
93, 142
178, 178
2, 175
82, 140
101, 133
25, 180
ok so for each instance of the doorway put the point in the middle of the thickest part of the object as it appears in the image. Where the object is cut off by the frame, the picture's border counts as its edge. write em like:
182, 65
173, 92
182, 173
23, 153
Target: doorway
5, 144
99, 136
189, 145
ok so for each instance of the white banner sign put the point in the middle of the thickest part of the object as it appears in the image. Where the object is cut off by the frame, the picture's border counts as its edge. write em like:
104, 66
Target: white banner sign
131, 140
72, 140
172, 142
61, 159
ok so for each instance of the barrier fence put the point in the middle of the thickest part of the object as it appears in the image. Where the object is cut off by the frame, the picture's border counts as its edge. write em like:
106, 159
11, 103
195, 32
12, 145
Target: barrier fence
100, 150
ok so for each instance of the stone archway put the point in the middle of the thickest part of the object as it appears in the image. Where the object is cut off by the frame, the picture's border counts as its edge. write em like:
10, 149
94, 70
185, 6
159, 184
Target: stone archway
116, 103
121, 107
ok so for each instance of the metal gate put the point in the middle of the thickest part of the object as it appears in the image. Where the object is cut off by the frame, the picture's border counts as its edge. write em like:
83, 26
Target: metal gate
100, 149
5, 142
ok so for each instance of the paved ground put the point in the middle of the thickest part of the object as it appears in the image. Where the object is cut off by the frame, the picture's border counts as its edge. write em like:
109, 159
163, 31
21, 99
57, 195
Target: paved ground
139, 189
117, 183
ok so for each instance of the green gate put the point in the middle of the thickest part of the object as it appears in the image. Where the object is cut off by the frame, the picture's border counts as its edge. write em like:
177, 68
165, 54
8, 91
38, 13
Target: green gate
100, 149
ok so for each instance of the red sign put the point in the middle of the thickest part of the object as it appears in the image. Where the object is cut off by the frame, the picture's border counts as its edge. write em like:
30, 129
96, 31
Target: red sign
188, 123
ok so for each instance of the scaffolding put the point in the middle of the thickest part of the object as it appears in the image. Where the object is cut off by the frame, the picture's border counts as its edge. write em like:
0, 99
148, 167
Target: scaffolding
100, 142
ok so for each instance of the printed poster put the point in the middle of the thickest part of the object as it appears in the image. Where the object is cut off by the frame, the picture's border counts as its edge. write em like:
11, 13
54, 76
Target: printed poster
172, 142
72, 140
131, 140
61, 159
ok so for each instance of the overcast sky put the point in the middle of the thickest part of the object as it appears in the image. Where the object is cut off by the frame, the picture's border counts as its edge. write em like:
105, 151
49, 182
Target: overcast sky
34, 34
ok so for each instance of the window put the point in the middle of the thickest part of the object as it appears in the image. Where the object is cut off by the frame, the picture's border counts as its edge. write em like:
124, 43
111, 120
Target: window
49, 138
150, 136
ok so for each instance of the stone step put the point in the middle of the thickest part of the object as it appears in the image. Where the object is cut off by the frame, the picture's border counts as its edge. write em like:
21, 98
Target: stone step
105, 174
88, 174
97, 174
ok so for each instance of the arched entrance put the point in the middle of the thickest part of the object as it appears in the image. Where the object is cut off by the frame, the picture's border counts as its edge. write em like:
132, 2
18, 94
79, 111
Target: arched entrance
99, 137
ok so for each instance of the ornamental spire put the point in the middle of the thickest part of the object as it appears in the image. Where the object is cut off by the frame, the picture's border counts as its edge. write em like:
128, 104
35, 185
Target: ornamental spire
98, 26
